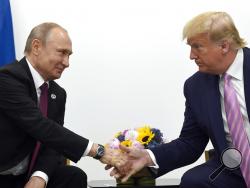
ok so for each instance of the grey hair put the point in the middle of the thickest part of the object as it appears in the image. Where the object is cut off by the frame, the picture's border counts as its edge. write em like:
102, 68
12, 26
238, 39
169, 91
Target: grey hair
41, 33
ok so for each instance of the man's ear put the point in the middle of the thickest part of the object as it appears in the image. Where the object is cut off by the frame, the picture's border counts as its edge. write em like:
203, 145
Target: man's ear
36, 46
225, 46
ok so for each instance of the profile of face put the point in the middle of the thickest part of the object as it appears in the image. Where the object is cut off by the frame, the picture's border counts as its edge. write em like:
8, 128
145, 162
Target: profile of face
208, 55
53, 56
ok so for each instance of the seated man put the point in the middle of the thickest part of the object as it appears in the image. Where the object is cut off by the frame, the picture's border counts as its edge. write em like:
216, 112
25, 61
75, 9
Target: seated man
32, 105
217, 108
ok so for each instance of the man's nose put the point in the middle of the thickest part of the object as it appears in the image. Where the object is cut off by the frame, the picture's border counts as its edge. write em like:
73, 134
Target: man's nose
192, 55
66, 61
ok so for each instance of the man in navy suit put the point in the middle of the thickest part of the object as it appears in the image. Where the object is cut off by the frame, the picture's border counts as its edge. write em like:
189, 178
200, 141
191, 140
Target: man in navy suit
216, 48
23, 124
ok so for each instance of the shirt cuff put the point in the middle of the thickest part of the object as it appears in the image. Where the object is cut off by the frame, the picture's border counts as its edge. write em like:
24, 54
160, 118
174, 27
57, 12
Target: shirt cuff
86, 152
41, 175
152, 156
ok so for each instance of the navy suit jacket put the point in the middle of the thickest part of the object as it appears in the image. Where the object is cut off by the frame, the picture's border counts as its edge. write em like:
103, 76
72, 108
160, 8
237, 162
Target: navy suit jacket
203, 121
22, 123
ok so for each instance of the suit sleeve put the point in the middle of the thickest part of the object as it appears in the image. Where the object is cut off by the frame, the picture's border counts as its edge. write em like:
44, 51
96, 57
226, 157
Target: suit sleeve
188, 147
17, 104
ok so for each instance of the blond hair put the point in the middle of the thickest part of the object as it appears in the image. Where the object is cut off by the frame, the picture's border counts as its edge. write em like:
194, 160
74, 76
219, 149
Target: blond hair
218, 25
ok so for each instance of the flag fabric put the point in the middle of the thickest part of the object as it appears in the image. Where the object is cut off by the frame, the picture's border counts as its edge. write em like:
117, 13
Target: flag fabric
7, 48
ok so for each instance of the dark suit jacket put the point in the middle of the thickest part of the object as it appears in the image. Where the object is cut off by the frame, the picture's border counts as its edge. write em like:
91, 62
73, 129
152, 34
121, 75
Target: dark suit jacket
22, 123
203, 121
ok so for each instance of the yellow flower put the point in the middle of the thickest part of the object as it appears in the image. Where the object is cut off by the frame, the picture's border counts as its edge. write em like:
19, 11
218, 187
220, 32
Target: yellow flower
118, 134
145, 135
126, 143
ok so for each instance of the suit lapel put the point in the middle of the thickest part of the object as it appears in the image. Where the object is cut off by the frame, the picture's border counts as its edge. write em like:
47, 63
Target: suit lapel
246, 75
26, 71
52, 95
212, 96
52, 99
216, 128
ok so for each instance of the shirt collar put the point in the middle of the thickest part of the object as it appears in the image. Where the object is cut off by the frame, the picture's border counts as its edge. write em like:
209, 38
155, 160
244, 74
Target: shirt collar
236, 68
38, 79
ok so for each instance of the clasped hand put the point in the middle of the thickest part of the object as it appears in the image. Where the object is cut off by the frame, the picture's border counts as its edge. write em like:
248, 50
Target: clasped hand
125, 162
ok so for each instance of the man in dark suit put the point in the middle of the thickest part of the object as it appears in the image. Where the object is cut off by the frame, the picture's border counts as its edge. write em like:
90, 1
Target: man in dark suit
23, 124
218, 50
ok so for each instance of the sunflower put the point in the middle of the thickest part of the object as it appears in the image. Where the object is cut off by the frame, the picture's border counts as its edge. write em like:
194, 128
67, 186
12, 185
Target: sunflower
127, 143
145, 135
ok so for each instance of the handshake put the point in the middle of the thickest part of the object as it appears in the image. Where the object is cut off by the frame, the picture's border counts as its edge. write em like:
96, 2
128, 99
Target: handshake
126, 154
125, 161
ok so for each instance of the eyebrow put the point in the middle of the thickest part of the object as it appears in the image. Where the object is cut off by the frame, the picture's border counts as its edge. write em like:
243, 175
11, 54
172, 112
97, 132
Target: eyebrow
65, 50
70, 52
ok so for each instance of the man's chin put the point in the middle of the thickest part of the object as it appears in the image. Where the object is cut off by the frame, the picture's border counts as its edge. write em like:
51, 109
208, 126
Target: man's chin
201, 69
208, 72
57, 76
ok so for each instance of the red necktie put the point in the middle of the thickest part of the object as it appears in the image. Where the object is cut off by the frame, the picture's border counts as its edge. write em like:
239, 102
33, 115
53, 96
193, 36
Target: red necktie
236, 127
44, 109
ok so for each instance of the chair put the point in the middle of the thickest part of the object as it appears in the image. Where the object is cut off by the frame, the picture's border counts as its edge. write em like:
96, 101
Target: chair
67, 162
209, 154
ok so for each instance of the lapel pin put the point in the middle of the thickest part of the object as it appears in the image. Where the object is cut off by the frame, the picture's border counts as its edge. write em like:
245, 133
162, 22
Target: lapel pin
53, 96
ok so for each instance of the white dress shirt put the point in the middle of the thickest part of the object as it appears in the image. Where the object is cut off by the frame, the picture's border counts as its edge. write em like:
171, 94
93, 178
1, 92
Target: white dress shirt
236, 72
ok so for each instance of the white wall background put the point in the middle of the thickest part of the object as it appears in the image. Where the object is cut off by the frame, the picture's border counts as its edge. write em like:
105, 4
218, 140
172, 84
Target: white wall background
129, 62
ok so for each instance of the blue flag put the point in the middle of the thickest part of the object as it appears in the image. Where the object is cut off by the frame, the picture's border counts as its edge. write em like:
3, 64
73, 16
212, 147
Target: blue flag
7, 49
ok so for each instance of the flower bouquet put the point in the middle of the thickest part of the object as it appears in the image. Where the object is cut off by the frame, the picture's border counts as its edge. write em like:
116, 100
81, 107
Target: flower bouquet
143, 137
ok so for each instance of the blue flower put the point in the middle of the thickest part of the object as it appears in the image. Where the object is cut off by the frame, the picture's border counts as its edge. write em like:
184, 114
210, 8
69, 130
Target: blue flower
152, 144
158, 135
121, 138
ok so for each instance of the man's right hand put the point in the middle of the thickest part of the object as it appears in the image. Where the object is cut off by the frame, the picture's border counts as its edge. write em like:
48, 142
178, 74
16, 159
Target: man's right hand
135, 160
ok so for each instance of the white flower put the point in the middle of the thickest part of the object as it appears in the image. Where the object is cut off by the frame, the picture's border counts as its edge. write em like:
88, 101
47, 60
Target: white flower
131, 135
